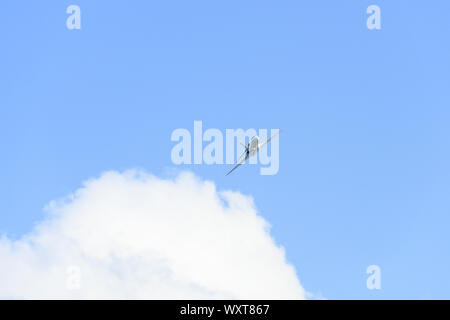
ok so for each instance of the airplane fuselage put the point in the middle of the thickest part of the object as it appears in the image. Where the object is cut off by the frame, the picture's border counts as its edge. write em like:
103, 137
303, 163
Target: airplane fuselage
253, 146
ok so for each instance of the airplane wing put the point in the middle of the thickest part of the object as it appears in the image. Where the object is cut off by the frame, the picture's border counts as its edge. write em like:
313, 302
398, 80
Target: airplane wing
268, 140
239, 164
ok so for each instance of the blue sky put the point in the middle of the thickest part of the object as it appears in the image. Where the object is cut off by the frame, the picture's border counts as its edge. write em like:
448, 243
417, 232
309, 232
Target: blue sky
364, 159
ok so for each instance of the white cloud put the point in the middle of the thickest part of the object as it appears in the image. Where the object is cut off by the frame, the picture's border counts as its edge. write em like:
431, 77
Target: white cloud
133, 235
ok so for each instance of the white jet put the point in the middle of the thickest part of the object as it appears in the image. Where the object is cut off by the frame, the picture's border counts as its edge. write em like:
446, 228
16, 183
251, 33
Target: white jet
251, 149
